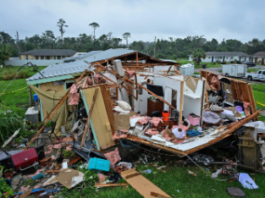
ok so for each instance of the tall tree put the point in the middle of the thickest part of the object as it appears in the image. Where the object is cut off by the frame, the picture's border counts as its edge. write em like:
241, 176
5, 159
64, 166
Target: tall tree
4, 53
126, 35
5, 38
94, 25
197, 56
61, 24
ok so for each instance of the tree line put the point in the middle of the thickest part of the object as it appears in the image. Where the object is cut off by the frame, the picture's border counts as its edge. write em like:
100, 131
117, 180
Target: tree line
171, 48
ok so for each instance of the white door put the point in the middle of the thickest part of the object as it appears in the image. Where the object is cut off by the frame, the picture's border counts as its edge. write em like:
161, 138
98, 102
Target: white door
234, 70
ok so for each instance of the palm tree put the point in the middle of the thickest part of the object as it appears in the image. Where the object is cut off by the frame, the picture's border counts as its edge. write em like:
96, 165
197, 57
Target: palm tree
197, 56
61, 25
126, 35
94, 25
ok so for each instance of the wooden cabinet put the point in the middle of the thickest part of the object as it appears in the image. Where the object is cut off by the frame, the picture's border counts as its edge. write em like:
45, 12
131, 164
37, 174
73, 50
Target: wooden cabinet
154, 105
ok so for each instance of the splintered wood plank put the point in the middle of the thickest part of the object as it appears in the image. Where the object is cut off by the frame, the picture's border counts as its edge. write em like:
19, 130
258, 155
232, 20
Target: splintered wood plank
99, 121
108, 104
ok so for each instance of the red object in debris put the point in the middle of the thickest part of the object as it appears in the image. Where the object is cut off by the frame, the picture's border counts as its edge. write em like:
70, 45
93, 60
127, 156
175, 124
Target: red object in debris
165, 116
9, 175
25, 159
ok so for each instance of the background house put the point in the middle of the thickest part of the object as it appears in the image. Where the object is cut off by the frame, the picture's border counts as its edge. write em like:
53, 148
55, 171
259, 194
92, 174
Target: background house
259, 57
224, 56
46, 54
43, 57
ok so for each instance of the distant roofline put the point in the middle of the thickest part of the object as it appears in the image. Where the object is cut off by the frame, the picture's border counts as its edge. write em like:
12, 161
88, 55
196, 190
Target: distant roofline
31, 52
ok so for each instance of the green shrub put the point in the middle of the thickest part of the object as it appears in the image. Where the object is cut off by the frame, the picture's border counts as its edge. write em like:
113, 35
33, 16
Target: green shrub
9, 75
4, 187
10, 122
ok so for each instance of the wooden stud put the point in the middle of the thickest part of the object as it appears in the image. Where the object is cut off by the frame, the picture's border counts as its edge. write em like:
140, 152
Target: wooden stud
252, 101
153, 94
110, 80
75, 160
137, 59
181, 102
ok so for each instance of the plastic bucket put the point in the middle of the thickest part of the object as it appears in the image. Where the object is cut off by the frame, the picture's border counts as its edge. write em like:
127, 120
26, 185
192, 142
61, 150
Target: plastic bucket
165, 115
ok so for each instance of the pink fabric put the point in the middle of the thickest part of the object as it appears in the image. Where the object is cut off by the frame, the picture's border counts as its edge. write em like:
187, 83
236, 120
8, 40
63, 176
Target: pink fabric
74, 99
116, 136
57, 146
155, 121
97, 78
113, 156
48, 152
130, 73
89, 81
152, 132
53, 157
143, 120
247, 108
24, 189
73, 89
101, 178
166, 136
68, 148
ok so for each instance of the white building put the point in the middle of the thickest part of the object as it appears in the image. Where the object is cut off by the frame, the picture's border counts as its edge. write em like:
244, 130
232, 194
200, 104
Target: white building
224, 56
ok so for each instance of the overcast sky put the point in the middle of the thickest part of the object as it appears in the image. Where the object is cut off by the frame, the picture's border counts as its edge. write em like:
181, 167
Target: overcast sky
144, 19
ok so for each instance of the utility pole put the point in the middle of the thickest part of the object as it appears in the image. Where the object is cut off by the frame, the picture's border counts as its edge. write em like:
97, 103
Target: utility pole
155, 47
17, 37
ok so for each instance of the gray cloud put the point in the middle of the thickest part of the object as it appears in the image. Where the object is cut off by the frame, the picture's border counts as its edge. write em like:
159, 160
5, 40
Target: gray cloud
144, 19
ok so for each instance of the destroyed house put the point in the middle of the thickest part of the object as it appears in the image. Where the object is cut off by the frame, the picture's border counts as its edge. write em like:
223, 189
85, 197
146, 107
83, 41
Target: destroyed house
116, 95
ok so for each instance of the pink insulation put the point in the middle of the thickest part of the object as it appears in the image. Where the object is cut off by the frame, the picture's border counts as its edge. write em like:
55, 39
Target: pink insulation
143, 120
155, 121
152, 131
113, 156
74, 98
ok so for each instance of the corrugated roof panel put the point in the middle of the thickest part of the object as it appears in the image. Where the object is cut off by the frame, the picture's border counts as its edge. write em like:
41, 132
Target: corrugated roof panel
78, 65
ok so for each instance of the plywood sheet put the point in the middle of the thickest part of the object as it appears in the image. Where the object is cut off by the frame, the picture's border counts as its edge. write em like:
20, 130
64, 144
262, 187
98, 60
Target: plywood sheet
51, 88
142, 185
122, 122
191, 83
99, 119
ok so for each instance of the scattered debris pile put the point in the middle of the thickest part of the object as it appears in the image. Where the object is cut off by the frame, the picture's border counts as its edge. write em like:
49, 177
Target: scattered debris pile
105, 118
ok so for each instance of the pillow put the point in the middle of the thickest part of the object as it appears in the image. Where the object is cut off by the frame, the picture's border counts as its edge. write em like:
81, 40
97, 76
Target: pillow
124, 105
210, 117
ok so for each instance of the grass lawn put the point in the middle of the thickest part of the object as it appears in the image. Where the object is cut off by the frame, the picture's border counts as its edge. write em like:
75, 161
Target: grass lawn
29, 69
16, 95
176, 182
252, 70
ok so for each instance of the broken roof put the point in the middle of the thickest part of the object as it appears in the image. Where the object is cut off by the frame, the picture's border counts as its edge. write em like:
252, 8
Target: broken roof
49, 52
75, 65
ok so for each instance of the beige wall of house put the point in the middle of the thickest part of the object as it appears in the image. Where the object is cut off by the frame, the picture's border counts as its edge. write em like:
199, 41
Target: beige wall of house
30, 57
259, 60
